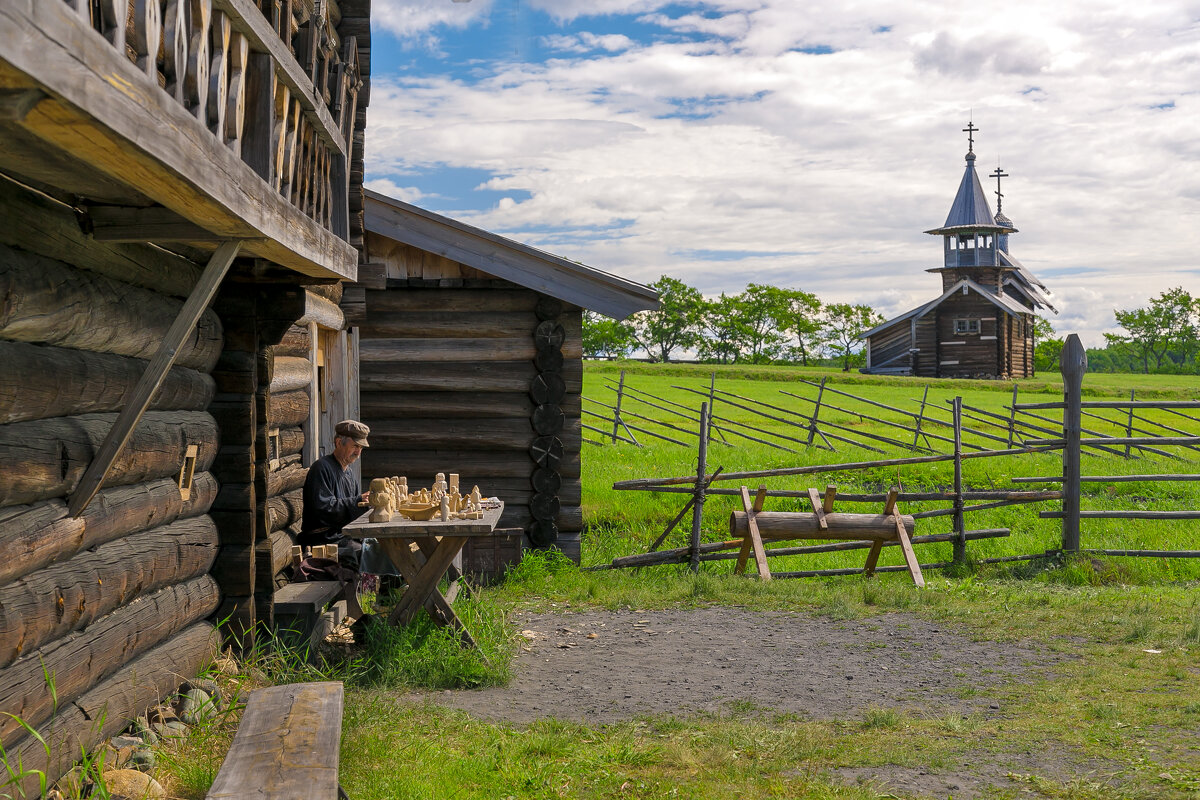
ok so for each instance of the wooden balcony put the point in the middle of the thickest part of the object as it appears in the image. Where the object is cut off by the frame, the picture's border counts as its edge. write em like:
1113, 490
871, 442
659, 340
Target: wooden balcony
188, 121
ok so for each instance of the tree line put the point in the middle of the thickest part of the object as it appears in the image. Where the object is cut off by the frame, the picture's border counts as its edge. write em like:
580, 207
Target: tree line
760, 325
1160, 337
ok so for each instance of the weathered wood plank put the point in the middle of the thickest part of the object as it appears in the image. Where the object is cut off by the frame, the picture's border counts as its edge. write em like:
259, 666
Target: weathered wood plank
451, 300
33, 536
454, 405
52, 303
472, 467
445, 351
54, 601
82, 659
298, 725
41, 459
288, 409
465, 434
41, 381
290, 373
483, 323
104, 711
481, 375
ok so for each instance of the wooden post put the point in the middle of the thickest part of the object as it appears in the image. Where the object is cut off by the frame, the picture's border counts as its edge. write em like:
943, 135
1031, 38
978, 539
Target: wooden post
812, 425
138, 399
960, 527
312, 428
617, 408
712, 391
1073, 364
1012, 417
1129, 422
698, 506
921, 418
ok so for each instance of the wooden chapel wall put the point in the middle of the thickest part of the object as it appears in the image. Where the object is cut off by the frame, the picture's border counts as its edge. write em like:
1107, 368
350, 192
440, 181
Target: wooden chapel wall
451, 380
112, 603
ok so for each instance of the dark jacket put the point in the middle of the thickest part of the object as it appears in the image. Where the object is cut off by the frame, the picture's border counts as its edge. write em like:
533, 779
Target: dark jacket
331, 498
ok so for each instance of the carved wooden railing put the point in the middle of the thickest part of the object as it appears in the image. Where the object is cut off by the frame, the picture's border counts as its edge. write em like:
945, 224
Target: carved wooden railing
271, 79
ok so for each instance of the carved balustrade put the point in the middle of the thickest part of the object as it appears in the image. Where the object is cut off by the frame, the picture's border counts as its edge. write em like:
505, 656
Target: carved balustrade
271, 79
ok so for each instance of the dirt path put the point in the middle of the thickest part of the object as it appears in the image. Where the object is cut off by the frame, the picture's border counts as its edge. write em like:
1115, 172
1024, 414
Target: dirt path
601, 667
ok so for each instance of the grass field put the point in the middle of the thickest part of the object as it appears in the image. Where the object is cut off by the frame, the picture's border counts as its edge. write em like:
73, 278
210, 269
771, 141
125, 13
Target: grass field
1115, 718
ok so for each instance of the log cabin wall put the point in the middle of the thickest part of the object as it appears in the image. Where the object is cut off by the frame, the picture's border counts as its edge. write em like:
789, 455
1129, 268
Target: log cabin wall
460, 372
969, 354
111, 603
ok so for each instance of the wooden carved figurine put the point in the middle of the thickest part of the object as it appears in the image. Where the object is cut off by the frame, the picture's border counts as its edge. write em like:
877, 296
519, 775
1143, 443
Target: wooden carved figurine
445, 508
453, 483
381, 501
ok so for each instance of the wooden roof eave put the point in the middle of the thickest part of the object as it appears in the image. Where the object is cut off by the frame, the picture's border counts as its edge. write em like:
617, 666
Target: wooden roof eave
504, 258
920, 311
97, 106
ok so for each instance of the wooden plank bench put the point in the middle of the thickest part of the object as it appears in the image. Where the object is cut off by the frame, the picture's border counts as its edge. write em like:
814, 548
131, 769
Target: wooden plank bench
286, 746
301, 615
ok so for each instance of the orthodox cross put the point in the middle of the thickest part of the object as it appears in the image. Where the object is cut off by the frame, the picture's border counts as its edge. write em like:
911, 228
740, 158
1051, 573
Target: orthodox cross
970, 132
999, 197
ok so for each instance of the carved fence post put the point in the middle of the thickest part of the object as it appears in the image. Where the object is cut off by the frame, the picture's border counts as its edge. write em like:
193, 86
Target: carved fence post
1073, 364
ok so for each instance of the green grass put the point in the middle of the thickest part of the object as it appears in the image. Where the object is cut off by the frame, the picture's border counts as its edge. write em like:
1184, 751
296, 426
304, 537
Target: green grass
1119, 720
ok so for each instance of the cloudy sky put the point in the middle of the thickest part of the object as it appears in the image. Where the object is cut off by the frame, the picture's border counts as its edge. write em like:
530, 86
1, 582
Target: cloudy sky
803, 144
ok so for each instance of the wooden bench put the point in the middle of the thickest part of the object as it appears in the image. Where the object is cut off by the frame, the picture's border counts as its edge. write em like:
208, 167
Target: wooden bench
286, 747
301, 615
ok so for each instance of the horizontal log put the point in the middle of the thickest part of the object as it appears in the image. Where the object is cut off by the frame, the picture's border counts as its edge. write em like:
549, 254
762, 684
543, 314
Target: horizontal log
34, 536
451, 300
41, 381
52, 230
1125, 514
284, 510
83, 659
799, 525
481, 323
49, 302
445, 351
296, 341
288, 477
287, 409
322, 311
473, 467
41, 459
569, 518
107, 709
464, 434
291, 372
54, 601
481, 376
446, 405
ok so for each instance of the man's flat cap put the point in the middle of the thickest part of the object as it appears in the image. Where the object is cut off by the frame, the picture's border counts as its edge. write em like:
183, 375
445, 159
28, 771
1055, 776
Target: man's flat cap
354, 429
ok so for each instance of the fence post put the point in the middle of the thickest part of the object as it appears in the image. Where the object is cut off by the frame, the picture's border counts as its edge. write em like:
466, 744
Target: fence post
812, 426
617, 407
960, 525
1073, 364
1012, 417
1129, 422
712, 392
698, 507
920, 419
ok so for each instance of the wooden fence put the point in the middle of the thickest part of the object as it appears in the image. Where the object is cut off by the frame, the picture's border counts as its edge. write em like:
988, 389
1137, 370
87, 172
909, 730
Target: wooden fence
1015, 432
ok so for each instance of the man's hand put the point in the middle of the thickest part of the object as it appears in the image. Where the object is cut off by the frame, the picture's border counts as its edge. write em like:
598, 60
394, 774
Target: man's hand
366, 497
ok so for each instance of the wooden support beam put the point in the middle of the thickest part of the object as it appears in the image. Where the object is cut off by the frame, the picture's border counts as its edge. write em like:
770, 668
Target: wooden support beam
814, 497
156, 372
154, 224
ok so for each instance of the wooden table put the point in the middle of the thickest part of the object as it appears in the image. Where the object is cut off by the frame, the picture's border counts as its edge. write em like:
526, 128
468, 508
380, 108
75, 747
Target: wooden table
437, 545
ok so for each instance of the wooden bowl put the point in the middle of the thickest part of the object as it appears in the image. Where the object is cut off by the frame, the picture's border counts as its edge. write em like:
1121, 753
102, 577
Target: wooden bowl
419, 513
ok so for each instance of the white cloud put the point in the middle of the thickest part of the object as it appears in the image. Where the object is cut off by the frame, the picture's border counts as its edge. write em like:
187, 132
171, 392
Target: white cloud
415, 20
407, 194
668, 156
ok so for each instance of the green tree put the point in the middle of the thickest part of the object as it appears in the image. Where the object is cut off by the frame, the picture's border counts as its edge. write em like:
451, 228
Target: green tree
674, 324
1169, 323
844, 324
760, 308
1046, 347
800, 315
604, 337
724, 332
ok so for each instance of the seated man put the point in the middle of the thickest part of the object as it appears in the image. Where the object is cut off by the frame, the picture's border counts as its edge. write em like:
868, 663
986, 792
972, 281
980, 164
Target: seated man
332, 496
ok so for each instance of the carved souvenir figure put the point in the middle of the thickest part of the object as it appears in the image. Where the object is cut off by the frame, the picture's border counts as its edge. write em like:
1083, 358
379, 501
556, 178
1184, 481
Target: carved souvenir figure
476, 499
445, 508
381, 501
453, 483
